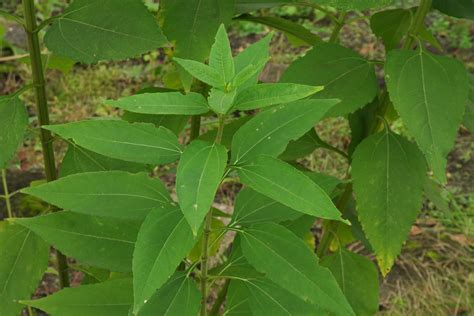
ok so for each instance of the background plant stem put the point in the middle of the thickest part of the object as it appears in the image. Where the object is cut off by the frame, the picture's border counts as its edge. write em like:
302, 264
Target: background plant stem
43, 114
207, 231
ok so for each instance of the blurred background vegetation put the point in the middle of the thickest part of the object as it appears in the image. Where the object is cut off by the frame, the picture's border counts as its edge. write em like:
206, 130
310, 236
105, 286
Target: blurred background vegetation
435, 273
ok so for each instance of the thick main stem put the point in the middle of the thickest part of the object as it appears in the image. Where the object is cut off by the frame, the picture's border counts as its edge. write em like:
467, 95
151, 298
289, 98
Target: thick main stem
6, 193
207, 232
43, 114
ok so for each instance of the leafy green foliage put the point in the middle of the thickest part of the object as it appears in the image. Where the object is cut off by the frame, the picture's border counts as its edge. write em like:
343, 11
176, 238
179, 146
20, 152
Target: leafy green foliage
163, 241
221, 55
93, 30
468, 120
13, 123
133, 195
421, 86
344, 74
99, 241
388, 173
138, 142
354, 4
358, 280
200, 172
456, 8
287, 261
22, 264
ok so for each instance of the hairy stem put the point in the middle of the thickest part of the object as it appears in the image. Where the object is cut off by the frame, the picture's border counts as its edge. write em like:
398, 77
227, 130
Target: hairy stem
6, 194
205, 239
43, 114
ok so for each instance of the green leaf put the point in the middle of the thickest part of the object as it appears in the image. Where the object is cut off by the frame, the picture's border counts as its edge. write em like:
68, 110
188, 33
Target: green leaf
22, 264
175, 123
199, 174
287, 185
229, 132
112, 297
109, 193
221, 55
388, 175
243, 6
92, 30
253, 55
163, 241
13, 123
170, 103
237, 300
288, 27
287, 261
248, 74
302, 147
358, 279
326, 182
252, 207
221, 101
99, 241
344, 74
457, 8
270, 131
179, 297
266, 94
422, 86
468, 120
138, 142
354, 4
202, 72
80, 160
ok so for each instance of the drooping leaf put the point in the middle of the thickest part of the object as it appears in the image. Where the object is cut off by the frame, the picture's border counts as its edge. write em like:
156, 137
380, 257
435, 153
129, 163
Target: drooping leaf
422, 87
270, 131
80, 160
221, 55
175, 123
138, 142
94, 30
112, 297
288, 27
23, 260
99, 241
388, 175
229, 132
266, 94
109, 193
163, 241
221, 101
457, 8
252, 207
344, 74
287, 185
13, 123
199, 174
357, 278
287, 261
202, 72
252, 55
169, 103
178, 297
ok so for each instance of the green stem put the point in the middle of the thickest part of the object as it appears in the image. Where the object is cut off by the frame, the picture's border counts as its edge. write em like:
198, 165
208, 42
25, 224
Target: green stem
43, 114
207, 231
220, 299
6, 194
337, 28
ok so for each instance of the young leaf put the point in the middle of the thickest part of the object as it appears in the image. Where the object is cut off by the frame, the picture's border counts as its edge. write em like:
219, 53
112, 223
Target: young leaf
287, 185
287, 261
99, 241
252, 207
221, 55
202, 72
80, 160
388, 175
253, 55
138, 142
163, 241
357, 278
109, 193
457, 8
248, 73
344, 74
266, 94
93, 30
23, 260
179, 296
13, 123
422, 86
221, 101
170, 103
112, 297
270, 131
199, 174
